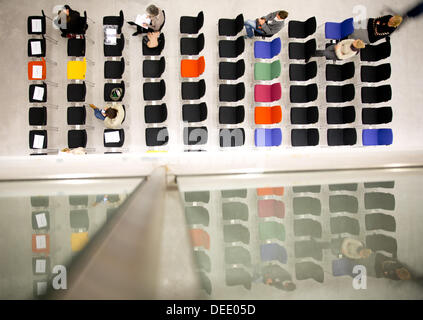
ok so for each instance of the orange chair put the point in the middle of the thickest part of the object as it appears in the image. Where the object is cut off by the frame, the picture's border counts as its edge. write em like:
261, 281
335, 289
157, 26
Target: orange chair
268, 115
270, 191
200, 238
192, 68
37, 64
41, 243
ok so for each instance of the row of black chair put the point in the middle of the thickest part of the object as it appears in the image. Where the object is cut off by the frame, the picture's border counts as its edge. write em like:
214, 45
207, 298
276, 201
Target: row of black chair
335, 137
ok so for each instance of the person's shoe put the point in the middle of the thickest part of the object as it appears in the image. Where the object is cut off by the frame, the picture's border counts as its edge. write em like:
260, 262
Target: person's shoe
135, 34
131, 23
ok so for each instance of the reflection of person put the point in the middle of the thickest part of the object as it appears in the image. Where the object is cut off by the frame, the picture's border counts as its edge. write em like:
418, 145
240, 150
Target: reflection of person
268, 25
112, 116
381, 266
67, 151
109, 200
354, 249
277, 277
157, 19
343, 50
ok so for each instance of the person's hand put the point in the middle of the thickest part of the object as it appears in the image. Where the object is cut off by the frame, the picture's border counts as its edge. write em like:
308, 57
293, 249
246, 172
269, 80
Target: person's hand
261, 21
93, 106
145, 25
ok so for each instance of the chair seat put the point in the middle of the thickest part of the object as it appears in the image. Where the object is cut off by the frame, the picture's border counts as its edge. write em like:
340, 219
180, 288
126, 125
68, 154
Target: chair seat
155, 113
37, 116
114, 69
231, 115
115, 50
146, 51
77, 138
32, 46
195, 136
76, 115
32, 91
154, 90
231, 70
304, 137
268, 137
36, 25
76, 92
153, 68
156, 136
193, 90
32, 135
76, 47
108, 87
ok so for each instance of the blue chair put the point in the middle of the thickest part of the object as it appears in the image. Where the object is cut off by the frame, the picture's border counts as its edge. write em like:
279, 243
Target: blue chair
266, 49
342, 267
268, 137
377, 137
273, 251
338, 31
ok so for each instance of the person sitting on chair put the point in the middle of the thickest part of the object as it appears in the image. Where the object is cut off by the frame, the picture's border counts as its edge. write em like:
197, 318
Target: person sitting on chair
69, 21
157, 19
112, 116
343, 50
268, 25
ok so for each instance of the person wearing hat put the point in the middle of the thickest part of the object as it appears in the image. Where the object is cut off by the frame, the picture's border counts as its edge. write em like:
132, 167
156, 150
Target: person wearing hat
112, 116
343, 50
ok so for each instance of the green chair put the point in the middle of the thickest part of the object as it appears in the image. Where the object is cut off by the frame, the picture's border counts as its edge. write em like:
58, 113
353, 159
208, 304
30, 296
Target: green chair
267, 71
269, 230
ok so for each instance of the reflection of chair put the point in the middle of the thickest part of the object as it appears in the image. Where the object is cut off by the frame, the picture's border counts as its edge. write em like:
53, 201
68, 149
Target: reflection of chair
40, 201
200, 238
269, 230
309, 270
338, 31
377, 137
79, 200
273, 251
191, 25
301, 30
267, 115
235, 233
270, 191
237, 255
191, 68
238, 277
197, 196
266, 49
197, 215
78, 241
267, 137
343, 203
343, 187
312, 189
202, 260
307, 205
380, 242
40, 265
379, 200
342, 267
235, 211
380, 184
238, 193
271, 208
231, 27
79, 219
307, 227
308, 248
344, 225
380, 221
205, 282
40, 220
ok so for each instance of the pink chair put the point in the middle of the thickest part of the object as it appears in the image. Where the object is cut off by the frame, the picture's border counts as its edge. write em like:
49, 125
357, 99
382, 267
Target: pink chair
271, 208
267, 93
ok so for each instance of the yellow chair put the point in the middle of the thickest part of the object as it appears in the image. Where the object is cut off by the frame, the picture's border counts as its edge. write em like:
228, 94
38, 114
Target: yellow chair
79, 240
77, 69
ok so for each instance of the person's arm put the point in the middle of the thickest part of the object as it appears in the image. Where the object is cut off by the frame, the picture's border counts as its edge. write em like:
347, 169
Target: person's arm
274, 27
343, 49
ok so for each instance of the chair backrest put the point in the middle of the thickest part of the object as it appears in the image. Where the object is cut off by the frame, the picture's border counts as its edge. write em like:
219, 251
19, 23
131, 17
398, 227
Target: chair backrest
240, 68
275, 47
200, 42
310, 26
164, 20
200, 20
311, 70
310, 48
239, 23
374, 137
276, 91
240, 45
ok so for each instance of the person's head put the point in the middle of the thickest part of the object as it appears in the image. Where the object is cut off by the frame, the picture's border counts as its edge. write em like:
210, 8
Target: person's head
365, 253
403, 273
394, 21
289, 285
152, 10
111, 113
66, 9
66, 150
282, 15
358, 44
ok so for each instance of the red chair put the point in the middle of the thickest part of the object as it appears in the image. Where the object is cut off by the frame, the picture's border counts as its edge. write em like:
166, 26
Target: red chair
37, 64
192, 68
267, 93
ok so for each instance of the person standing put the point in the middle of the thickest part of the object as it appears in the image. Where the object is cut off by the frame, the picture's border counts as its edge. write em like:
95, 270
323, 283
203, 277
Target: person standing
157, 20
268, 25
112, 116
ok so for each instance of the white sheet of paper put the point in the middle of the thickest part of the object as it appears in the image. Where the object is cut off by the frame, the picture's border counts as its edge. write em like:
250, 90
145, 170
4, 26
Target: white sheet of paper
140, 19
38, 93
36, 47
40, 242
37, 72
41, 219
111, 31
41, 288
36, 25
38, 141
40, 266
111, 137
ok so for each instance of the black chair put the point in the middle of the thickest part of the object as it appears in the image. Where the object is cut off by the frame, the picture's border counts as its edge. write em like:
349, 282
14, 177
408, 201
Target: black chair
231, 92
115, 20
115, 50
340, 115
340, 93
302, 72
343, 203
32, 42
378, 73
194, 112
118, 144
76, 115
114, 69
76, 92
40, 201
381, 242
231, 137
304, 115
43, 24
195, 136
303, 94
32, 134
193, 90
146, 51
380, 221
155, 113
78, 200
376, 115
340, 225
156, 136
153, 68
231, 27
340, 72
32, 90
342, 137
377, 52
108, 87
37, 116
77, 138
376, 94
304, 137
154, 90
231, 48
192, 46
191, 25
308, 248
309, 270
79, 219
76, 47
300, 51
231, 115
301, 30
231, 70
